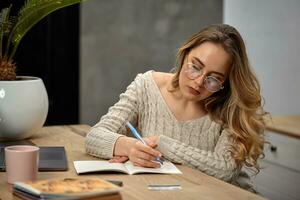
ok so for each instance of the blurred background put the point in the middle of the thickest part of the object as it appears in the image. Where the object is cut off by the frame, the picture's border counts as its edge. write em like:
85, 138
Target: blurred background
122, 38
87, 55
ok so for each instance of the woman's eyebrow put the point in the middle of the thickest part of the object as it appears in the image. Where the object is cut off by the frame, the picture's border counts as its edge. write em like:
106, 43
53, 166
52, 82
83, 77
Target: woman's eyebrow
199, 61
215, 72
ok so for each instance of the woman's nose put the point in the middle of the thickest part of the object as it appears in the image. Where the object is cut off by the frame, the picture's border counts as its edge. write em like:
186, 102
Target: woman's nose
199, 80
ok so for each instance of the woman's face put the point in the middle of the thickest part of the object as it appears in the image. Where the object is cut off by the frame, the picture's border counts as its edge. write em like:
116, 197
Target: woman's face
205, 67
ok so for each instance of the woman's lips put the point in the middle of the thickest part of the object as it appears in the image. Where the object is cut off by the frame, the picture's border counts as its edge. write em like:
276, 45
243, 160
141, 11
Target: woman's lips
193, 91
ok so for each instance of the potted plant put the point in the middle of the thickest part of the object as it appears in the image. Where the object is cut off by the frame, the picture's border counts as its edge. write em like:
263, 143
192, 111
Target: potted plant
23, 99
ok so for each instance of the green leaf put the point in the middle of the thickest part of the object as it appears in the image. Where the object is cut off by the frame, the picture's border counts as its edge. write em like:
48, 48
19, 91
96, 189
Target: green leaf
31, 13
5, 26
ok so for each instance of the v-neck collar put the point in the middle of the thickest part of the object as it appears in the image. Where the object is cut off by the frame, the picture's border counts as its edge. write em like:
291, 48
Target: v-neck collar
158, 92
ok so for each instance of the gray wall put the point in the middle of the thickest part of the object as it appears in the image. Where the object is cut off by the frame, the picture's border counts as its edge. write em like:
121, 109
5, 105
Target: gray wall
120, 38
271, 29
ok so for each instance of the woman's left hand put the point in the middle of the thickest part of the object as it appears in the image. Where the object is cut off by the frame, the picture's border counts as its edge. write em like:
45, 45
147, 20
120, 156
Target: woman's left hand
118, 159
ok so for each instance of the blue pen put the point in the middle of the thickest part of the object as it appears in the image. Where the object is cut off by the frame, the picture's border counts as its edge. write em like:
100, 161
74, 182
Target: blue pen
137, 135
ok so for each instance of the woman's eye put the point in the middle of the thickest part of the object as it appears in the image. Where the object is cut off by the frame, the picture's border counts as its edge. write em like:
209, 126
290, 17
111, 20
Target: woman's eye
215, 79
195, 67
218, 78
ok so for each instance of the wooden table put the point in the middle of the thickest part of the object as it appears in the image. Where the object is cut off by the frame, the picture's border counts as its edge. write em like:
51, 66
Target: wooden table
287, 125
195, 184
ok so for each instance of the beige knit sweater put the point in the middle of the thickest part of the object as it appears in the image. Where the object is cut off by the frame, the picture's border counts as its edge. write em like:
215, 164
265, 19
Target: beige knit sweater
201, 143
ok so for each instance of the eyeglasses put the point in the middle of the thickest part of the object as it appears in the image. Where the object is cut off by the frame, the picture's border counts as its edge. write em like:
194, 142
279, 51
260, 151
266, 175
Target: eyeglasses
211, 83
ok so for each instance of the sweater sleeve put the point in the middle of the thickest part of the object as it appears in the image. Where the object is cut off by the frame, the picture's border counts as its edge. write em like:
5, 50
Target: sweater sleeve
218, 163
101, 139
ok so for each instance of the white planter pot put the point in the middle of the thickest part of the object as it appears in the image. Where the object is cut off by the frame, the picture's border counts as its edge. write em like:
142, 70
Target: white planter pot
23, 107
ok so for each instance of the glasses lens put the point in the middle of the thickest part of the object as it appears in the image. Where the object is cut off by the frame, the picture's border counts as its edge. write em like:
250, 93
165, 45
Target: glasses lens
192, 71
212, 84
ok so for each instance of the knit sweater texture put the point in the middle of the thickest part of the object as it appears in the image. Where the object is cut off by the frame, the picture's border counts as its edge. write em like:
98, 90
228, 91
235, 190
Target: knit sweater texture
200, 143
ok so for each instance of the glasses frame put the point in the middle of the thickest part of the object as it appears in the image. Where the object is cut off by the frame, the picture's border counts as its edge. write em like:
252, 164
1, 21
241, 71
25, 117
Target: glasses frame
190, 65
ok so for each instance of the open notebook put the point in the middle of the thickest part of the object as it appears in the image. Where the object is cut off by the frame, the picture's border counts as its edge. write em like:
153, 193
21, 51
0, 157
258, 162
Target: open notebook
127, 168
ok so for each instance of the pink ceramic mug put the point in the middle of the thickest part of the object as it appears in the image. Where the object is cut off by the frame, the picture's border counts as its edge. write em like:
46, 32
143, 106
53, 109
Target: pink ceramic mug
21, 163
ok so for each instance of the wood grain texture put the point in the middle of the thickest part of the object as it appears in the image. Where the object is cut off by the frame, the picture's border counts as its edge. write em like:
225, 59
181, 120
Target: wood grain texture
195, 184
288, 125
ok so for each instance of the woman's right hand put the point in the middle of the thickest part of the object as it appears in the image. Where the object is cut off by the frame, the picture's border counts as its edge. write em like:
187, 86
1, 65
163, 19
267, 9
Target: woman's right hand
138, 153
143, 155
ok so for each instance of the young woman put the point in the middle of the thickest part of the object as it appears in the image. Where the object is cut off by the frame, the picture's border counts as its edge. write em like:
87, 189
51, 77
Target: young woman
207, 115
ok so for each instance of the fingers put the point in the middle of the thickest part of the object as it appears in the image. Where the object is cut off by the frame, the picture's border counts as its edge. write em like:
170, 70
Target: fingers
152, 145
152, 140
123, 159
147, 149
118, 159
143, 155
145, 163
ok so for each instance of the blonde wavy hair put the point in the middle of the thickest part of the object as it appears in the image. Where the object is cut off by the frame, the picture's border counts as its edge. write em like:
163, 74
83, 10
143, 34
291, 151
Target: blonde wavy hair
238, 107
